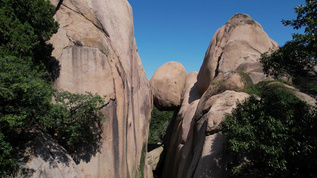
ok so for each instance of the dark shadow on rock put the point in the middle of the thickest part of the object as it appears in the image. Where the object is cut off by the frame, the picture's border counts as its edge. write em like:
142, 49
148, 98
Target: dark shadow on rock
36, 144
194, 93
54, 68
85, 151
166, 142
151, 147
43, 146
199, 131
213, 165
58, 6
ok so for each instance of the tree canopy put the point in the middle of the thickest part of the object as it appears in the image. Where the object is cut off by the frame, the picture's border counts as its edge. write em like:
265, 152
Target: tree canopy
298, 56
275, 136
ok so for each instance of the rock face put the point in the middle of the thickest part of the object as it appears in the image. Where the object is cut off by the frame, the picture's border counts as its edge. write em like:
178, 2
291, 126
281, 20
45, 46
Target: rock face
97, 52
236, 46
231, 63
167, 85
49, 159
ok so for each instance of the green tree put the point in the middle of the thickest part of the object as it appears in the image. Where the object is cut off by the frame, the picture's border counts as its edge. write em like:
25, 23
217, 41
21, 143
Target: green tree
25, 27
24, 96
26, 90
275, 136
298, 56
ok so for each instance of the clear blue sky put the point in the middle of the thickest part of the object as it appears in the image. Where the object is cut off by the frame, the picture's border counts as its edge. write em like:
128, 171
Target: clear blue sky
180, 30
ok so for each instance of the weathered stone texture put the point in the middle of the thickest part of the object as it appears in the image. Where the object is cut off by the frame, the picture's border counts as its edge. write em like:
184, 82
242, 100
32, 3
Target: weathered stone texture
237, 46
196, 145
97, 52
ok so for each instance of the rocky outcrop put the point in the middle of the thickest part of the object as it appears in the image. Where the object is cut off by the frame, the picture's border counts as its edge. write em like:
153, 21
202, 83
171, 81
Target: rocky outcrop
167, 85
208, 140
236, 46
196, 144
231, 63
180, 146
97, 52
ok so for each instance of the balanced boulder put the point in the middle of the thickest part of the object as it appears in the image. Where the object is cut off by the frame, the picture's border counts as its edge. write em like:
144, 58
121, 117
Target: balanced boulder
167, 85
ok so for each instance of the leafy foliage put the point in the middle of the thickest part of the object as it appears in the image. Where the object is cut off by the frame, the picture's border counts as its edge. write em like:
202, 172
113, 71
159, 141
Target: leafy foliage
25, 27
6, 160
142, 162
274, 136
298, 56
249, 87
74, 118
26, 90
24, 97
159, 123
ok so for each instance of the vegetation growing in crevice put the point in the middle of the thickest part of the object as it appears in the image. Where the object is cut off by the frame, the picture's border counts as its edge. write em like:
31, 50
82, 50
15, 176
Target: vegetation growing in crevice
246, 79
218, 83
159, 123
142, 162
249, 87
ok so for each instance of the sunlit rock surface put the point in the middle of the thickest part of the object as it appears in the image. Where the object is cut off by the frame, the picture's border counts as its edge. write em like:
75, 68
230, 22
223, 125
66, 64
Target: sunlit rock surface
97, 52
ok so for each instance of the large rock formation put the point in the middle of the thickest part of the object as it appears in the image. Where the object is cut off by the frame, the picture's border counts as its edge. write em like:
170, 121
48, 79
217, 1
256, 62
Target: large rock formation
236, 46
97, 52
231, 63
167, 85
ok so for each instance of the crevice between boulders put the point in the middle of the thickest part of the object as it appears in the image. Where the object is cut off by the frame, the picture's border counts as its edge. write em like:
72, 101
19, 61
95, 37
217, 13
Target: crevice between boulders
58, 6
217, 68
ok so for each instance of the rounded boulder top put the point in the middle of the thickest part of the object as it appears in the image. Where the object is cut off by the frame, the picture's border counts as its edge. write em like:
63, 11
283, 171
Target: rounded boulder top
167, 85
240, 19
237, 46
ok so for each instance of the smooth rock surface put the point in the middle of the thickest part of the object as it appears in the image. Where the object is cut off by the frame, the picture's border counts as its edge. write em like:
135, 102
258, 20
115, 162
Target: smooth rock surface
207, 125
237, 46
97, 52
231, 63
179, 150
167, 85
220, 105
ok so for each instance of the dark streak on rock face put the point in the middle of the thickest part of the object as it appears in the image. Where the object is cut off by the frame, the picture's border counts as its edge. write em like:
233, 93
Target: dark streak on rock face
115, 138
